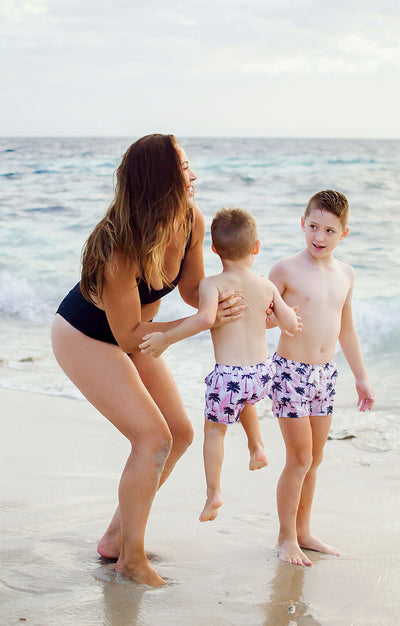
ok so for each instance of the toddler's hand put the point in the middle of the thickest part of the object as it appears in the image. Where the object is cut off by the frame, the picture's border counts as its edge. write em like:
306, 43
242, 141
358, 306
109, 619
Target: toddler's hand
299, 322
154, 344
269, 313
366, 397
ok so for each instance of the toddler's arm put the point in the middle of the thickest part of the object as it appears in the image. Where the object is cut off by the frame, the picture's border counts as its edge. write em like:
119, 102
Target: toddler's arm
277, 277
350, 344
154, 344
287, 318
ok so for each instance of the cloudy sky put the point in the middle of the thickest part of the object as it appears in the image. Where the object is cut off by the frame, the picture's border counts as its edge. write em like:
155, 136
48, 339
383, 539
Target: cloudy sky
314, 68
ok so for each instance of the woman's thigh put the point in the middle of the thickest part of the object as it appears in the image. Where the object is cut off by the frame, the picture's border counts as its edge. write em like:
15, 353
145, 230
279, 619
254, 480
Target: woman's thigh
161, 385
107, 377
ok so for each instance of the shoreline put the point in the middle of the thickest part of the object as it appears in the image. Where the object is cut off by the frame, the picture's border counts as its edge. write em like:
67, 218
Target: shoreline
61, 462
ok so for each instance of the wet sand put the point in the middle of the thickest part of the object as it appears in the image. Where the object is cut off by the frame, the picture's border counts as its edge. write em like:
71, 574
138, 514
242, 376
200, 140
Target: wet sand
60, 462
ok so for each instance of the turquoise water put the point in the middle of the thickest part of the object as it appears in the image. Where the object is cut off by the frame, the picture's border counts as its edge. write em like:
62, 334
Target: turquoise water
53, 191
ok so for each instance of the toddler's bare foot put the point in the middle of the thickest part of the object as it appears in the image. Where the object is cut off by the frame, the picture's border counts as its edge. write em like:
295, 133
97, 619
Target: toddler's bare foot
309, 542
140, 573
289, 551
258, 458
109, 547
211, 507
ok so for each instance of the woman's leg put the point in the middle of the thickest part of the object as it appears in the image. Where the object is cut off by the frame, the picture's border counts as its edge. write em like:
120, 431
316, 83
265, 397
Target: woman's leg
213, 452
297, 436
108, 379
251, 426
159, 382
320, 426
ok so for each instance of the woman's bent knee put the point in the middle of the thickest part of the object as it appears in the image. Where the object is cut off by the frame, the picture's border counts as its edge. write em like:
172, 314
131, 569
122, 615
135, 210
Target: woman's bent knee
184, 438
161, 455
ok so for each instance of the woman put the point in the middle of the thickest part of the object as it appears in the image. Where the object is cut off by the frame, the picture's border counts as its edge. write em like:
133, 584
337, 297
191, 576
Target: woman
150, 240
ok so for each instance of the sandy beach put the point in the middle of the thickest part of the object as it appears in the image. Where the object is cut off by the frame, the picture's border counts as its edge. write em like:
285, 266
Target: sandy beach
60, 466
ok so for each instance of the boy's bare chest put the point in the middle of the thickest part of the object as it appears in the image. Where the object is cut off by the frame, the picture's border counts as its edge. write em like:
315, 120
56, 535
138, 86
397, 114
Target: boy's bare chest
320, 289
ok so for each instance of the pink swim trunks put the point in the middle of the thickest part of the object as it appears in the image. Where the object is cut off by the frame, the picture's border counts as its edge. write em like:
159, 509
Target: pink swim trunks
301, 389
230, 387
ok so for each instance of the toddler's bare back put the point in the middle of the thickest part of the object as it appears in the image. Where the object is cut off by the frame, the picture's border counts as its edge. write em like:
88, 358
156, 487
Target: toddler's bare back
243, 342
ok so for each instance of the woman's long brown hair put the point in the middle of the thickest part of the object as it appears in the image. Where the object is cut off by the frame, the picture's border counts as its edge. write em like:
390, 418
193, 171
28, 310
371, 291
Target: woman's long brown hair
150, 199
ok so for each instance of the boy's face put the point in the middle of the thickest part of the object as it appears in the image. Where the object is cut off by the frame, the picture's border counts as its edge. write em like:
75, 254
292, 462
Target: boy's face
323, 231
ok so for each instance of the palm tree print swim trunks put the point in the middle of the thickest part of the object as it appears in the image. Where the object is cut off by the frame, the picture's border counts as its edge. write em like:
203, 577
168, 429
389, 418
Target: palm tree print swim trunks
230, 387
302, 389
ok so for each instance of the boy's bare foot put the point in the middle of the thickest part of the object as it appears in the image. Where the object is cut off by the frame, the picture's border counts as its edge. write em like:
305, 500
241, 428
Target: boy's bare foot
309, 542
141, 573
258, 458
108, 547
289, 551
211, 507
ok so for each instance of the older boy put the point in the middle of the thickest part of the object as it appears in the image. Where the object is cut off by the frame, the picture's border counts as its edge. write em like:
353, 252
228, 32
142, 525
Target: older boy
243, 372
303, 388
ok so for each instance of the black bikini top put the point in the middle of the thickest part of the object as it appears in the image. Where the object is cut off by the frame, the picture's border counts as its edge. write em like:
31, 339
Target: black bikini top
149, 295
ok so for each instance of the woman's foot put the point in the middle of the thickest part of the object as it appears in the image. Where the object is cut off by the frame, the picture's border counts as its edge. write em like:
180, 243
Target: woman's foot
109, 546
290, 552
211, 507
309, 542
140, 573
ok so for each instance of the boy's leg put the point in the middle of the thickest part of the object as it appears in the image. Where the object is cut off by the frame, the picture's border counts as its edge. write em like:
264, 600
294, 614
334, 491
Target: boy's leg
297, 436
251, 426
213, 452
320, 426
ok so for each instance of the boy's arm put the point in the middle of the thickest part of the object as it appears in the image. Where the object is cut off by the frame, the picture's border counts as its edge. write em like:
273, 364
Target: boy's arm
154, 344
350, 344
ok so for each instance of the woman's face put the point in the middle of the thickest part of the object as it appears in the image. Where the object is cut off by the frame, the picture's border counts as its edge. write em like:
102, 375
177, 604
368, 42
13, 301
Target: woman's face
188, 174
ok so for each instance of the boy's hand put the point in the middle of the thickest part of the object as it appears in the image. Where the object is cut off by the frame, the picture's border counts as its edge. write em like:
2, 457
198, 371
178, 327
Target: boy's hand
299, 323
366, 397
154, 344
230, 308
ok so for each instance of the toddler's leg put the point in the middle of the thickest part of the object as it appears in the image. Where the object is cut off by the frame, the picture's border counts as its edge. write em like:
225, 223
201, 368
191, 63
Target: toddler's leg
320, 426
251, 426
213, 452
298, 442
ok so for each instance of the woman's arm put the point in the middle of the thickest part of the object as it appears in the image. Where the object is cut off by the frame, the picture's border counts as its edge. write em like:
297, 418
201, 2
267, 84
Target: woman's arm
230, 307
122, 306
193, 264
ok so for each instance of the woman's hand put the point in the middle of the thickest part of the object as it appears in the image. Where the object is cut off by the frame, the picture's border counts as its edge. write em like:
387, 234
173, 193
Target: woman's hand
230, 308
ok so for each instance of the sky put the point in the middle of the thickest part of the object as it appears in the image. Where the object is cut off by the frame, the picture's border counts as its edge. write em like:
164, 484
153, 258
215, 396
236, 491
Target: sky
257, 68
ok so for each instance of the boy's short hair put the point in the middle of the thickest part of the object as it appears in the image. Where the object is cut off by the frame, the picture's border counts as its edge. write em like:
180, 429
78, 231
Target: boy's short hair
233, 233
332, 201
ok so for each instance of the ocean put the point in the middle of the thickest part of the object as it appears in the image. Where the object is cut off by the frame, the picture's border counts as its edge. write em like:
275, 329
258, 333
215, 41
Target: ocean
54, 190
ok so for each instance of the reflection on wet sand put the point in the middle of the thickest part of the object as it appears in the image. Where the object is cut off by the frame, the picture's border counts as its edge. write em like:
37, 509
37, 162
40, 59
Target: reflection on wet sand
121, 597
286, 606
